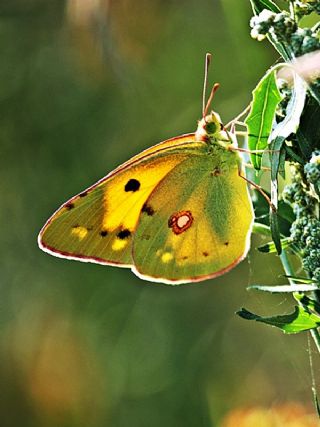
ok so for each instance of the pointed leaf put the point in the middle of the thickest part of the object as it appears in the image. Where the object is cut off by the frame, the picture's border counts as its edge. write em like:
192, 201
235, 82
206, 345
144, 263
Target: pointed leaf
298, 321
281, 131
308, 134
270, 247
308, 303
262, 229
276, 147
299, 279
285, 288
293, 155
275, 230
294, 110
259, 5
266, 97
285, 212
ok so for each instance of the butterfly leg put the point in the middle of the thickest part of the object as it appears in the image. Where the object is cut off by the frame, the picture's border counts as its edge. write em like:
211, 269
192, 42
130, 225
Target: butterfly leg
250, 166
257, 187
248, 151
234, 144
236, 120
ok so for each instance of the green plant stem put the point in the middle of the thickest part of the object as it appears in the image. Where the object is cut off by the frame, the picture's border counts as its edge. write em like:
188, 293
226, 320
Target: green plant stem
289, 272
292, 11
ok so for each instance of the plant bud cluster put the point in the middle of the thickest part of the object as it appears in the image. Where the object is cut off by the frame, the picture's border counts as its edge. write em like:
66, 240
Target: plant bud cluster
284, 29
305, 230
305, 7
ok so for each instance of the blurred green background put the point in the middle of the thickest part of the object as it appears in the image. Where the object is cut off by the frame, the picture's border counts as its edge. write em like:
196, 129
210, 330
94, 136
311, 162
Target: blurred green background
84, 84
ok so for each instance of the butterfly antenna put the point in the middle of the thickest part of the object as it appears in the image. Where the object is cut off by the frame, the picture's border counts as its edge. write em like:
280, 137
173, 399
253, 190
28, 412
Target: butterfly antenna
213, 91
206, 68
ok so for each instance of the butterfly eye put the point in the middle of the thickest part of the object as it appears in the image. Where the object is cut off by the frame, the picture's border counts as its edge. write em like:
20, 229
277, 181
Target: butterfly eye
210, 128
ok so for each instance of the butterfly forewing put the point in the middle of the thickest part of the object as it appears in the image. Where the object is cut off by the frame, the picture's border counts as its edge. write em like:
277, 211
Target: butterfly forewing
98, 225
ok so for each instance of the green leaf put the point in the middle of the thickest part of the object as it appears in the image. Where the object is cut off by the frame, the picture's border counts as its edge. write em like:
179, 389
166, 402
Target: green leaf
293, 155
273, 218
275, 230
315, 92
276, 149
259, 5
308, 134
262, 229
285, 212
285, 288
280, 132
266, 97
308, 303
270, 247
299, 279
294, 110
298, 321
285, 216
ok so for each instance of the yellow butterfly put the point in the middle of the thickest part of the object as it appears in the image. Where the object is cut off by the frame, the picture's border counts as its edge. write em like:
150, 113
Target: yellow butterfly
178, 212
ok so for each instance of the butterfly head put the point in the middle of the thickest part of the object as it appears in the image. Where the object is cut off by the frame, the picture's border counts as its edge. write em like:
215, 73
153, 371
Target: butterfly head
210, 128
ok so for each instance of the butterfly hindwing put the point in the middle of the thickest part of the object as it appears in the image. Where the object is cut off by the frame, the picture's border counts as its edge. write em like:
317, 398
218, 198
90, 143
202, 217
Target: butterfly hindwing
99, 224
197, 223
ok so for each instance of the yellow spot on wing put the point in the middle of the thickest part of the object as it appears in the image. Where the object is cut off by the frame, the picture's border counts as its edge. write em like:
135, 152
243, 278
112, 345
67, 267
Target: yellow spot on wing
166, 257
119, 244
79, 231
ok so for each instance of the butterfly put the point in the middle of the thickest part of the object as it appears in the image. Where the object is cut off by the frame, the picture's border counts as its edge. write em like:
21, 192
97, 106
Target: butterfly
178, 212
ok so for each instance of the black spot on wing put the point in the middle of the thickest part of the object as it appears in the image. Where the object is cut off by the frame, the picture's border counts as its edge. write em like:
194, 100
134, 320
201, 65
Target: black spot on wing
83, 194
69, 206
103, 233
216, 172
132, 185
124, 234
205, 254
